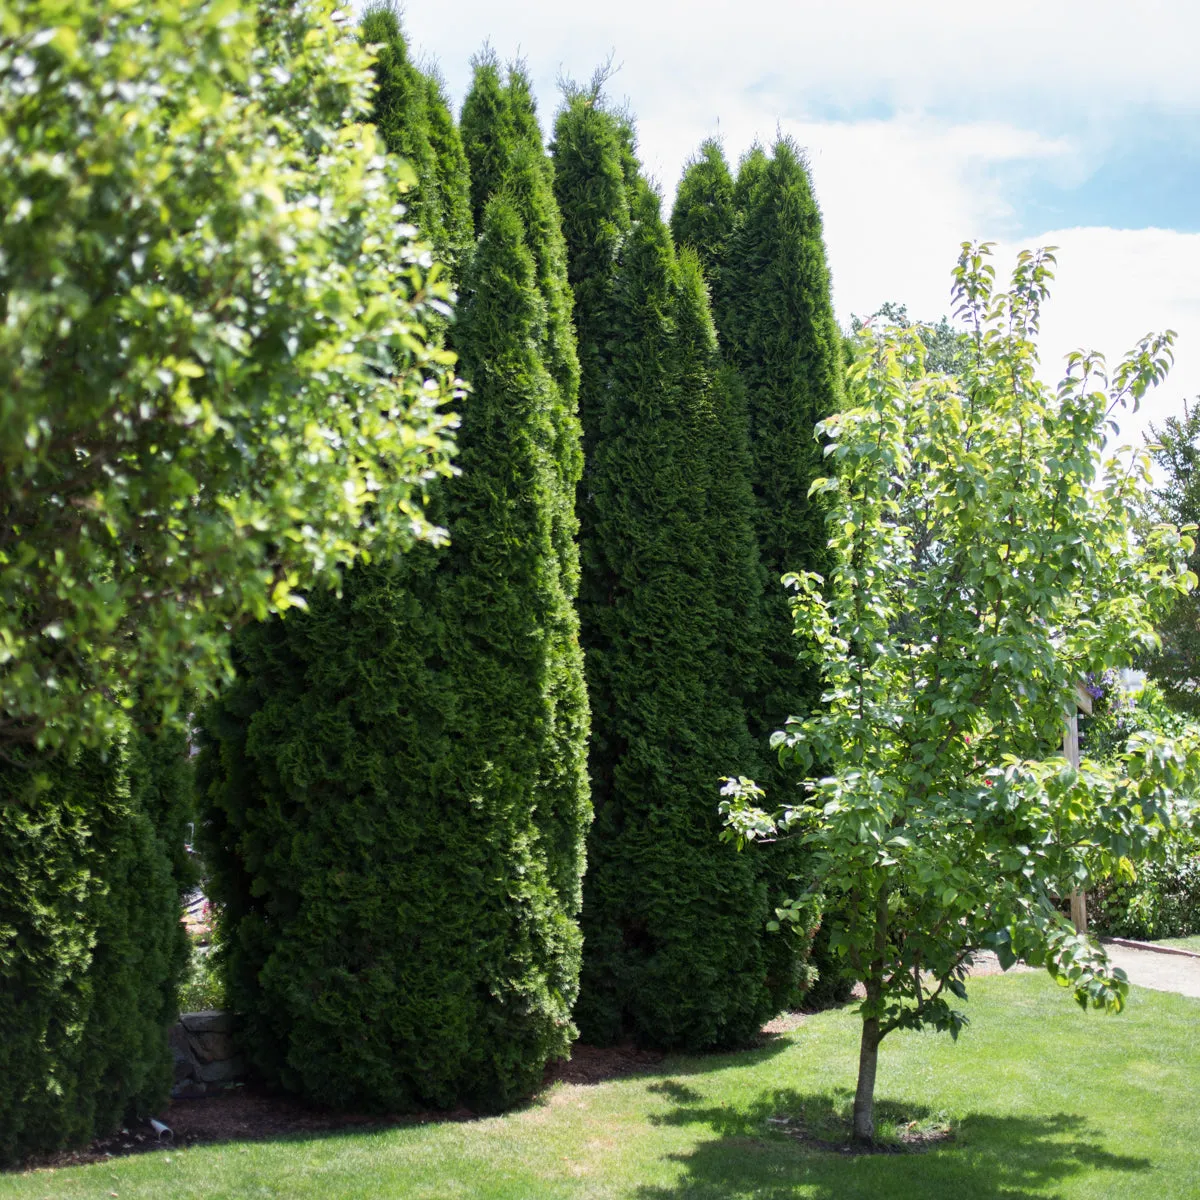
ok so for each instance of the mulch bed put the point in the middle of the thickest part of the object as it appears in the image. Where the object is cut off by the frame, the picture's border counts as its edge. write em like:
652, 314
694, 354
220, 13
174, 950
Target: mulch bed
248, 1113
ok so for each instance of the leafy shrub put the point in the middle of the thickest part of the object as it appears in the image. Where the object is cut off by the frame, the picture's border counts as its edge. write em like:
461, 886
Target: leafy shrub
1162, 902
217, 381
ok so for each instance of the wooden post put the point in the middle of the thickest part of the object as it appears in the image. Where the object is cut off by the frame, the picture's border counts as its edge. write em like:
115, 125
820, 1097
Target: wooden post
1071, 752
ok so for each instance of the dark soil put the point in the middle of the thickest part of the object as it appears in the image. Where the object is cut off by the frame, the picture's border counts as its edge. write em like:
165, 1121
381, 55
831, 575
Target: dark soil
247, 1113
911, 1137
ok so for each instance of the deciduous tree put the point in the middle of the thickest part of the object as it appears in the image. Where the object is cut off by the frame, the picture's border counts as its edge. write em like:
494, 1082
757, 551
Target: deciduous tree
982, 563
218, 384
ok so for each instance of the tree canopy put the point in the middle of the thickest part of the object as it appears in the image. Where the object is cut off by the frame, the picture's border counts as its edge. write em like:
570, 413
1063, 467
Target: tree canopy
1176, 450
218, 382
982, 565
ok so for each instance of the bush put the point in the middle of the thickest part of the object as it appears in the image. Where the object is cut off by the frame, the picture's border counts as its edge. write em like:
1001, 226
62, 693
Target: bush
1162, 902
91, 949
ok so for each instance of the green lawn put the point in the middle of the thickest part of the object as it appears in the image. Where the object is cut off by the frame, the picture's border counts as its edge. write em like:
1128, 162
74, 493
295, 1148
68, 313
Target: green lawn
1046, 1101
1184, 943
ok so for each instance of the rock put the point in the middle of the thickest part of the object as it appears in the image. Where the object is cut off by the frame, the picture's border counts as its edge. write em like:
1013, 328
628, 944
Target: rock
225, 1071
209, 1020
210, 1047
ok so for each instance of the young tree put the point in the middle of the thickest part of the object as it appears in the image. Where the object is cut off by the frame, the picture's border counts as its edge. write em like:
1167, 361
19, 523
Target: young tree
218, 383
982, 564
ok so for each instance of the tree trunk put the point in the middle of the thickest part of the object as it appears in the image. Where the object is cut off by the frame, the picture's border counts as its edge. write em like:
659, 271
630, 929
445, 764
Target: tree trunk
864, 1097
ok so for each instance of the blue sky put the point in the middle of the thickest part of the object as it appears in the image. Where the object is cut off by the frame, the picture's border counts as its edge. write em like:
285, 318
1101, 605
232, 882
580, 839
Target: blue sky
1066, 122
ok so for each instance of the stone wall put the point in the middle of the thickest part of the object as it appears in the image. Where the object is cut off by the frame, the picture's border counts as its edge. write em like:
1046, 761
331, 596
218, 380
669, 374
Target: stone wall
205, 1059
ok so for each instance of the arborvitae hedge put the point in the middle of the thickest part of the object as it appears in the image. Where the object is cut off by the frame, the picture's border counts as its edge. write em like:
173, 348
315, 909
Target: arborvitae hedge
453, 176
396, 780
513, 140
91, 945
673, 918
759, 241
761, 245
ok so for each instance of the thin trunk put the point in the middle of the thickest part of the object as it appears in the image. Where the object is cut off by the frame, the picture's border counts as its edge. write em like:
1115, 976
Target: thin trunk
864, 1097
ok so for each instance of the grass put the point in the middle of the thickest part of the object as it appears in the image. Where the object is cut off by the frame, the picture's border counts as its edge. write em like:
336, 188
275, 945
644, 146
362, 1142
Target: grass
1041, 1101
1184, 943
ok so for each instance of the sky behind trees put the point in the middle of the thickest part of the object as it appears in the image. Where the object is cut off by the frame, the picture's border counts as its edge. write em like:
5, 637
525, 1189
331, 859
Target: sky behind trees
1068, 123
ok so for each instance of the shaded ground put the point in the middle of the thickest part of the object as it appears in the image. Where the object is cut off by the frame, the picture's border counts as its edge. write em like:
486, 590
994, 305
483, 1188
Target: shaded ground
248, 1113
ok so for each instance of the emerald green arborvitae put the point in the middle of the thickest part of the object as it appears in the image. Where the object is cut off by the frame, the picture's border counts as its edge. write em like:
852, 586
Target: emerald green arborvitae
674, 924
453, 176
759, 241
92, 949
761, 245
396, 781
413, 117
704, 218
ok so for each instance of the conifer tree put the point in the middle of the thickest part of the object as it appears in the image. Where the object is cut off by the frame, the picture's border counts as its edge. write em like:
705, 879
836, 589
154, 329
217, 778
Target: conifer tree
412, 115
673, 927
453, 176
92, 949
397, 779
704, 218
760, 242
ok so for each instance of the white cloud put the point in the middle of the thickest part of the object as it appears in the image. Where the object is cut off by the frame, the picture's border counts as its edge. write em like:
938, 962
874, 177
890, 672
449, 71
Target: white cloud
1095, 56
1115, 285
1028, 85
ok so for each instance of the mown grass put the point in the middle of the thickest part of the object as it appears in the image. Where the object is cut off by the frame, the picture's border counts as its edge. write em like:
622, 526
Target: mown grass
1184, 943
1042, 1101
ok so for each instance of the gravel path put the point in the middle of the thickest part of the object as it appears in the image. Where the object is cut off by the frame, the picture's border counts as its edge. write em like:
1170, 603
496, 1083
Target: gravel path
1162, 972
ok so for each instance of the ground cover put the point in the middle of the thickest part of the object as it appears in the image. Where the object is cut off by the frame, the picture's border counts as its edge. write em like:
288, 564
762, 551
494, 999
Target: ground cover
1038, 1099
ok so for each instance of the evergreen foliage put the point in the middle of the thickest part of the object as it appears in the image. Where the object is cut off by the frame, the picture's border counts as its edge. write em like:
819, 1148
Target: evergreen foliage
1176, 664
454, 186
761, 245
92, 949
397, 785
673, 925
704, 218
412, 115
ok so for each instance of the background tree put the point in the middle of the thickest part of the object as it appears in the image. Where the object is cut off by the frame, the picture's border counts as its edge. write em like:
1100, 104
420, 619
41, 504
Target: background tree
1176, 664
949, 349
982, 565
190, 428
674, 934
759, 241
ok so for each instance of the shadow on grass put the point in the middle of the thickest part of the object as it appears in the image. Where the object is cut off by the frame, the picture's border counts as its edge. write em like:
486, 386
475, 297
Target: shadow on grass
789, 1143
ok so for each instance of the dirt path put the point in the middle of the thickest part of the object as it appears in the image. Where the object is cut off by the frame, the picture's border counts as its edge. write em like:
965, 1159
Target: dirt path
1162, 972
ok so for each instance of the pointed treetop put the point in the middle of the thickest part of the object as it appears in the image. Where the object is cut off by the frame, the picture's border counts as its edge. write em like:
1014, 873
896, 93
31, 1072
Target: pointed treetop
704, 213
